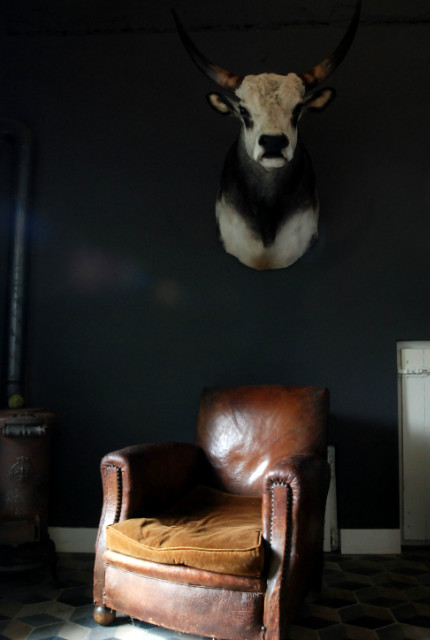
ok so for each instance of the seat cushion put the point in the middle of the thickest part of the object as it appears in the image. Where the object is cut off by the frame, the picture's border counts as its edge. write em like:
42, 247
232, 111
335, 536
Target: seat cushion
207, 529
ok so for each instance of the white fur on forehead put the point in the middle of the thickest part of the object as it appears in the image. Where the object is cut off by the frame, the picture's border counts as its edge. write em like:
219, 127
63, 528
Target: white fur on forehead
271, 89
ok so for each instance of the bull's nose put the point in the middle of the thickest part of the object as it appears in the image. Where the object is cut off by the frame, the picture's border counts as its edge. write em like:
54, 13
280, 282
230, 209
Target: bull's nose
273, 144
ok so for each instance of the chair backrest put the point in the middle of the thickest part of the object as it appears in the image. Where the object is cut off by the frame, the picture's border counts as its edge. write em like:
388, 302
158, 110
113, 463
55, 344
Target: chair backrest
245, 430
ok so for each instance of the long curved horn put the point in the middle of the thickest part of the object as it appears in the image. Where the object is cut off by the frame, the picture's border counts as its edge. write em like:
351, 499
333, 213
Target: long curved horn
321, 71
222, 77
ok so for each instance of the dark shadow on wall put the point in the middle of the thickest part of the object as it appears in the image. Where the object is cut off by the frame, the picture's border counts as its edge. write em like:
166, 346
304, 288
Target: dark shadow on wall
367, 473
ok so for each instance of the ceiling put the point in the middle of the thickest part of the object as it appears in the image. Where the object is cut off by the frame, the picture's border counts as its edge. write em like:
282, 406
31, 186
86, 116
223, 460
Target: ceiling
92, 17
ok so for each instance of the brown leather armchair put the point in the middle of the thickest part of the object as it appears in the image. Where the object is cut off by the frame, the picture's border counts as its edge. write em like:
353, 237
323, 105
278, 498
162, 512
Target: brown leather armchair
259, 463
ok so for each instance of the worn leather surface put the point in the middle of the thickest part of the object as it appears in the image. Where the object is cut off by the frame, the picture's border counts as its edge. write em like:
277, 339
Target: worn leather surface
154, 475
244, 431
215, 612
296, 487
262, 441
185, 575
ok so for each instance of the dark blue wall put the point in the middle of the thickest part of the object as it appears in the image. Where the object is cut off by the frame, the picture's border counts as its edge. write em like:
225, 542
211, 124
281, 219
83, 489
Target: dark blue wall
134, 307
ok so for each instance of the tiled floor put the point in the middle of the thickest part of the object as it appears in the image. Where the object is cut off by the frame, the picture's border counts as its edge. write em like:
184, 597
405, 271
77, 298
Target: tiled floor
381, 597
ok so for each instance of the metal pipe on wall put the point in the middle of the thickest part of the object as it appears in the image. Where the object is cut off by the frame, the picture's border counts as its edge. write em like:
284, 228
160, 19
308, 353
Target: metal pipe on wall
25, 433
22, 138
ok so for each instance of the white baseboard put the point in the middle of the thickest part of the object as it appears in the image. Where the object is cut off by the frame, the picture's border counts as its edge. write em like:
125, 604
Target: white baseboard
371, 541
73, 539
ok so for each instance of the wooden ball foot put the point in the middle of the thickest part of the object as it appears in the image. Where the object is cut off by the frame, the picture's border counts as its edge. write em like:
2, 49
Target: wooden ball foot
103, 615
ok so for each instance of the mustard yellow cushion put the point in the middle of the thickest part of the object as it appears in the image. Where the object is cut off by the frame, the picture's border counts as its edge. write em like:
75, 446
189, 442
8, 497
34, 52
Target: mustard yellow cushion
207, 529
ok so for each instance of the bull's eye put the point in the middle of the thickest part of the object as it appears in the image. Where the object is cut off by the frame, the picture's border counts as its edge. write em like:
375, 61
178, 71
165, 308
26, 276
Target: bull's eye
244, 112
246, 117
296, 113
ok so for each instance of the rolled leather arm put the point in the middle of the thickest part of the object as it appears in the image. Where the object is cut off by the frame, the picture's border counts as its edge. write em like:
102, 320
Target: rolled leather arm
141, 480
151, 475
294, 497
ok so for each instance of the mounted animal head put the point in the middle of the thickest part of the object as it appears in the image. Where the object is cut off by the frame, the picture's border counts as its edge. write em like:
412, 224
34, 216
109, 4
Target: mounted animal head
267, 206
270, 105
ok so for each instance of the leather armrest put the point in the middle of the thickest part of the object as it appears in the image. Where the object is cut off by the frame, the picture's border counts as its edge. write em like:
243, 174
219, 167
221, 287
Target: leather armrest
140, 480
150, 475
294, 496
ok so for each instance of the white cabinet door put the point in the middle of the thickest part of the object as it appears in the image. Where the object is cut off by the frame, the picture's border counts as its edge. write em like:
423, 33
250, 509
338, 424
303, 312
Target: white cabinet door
414, 414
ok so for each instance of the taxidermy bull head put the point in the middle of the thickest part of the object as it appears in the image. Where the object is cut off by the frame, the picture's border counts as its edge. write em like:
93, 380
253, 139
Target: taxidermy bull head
267, 204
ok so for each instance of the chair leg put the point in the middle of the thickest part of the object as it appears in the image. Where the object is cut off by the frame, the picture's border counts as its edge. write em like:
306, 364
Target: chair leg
104, 616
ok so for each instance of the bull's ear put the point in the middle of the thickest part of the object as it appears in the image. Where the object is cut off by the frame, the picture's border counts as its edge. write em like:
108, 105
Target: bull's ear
319, 100
220, 103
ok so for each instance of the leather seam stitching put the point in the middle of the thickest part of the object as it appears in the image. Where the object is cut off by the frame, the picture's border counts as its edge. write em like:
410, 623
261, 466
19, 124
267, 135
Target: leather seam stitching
119, 491
289, 527
275, 484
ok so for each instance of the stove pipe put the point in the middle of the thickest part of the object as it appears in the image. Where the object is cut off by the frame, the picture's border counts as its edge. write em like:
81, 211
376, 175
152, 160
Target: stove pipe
15, 338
